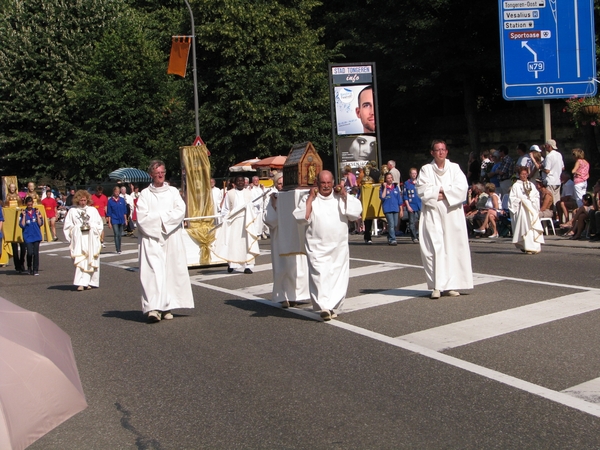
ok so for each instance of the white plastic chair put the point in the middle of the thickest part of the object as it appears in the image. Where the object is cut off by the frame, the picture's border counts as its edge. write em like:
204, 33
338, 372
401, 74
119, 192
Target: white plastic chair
548, 219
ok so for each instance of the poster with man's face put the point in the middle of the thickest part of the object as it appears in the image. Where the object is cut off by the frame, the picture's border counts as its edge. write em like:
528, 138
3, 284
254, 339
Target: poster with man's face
355, 109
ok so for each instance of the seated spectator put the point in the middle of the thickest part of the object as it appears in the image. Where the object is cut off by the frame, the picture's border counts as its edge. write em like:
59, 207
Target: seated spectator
472, 198
594, 214
580, 218
61, 208
476, 200
567, 201
491, 211
545, 200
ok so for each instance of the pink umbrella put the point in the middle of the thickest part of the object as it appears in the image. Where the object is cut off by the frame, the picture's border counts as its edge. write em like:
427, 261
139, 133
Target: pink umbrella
274, 162
39, 383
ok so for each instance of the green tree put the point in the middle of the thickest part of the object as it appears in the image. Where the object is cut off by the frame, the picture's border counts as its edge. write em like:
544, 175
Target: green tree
263, 78
128, 109
44, 47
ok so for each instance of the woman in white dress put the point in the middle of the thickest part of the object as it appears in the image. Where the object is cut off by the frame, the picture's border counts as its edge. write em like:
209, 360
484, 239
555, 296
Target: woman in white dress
524, 206
83, 228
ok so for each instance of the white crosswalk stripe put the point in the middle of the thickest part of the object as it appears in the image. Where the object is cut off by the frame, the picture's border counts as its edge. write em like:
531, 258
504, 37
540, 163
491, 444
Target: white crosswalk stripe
508, 321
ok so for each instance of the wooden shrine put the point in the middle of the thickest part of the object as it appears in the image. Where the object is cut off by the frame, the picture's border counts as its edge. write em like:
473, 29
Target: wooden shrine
301, 167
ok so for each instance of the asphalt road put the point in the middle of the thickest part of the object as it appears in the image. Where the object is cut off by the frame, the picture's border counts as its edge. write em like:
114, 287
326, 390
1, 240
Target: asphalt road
509, 364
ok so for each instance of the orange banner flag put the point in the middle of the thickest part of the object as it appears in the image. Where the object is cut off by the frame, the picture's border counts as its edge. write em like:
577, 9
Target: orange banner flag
180, 50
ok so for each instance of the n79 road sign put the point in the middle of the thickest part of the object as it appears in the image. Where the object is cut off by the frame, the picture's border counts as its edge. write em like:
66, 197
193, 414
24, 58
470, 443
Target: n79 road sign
548, 48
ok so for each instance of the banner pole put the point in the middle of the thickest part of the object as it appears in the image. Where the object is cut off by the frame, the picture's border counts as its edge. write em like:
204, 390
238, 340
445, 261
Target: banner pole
194, 69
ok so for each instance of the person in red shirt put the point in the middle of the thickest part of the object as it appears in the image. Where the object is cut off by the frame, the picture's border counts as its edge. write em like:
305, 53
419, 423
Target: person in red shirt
100, 202
50, 206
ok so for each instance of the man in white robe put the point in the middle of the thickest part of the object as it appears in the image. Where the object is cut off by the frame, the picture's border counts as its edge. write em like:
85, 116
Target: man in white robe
236, 240
290, 268
258, 200
85, 245
163, 264
217, 197
524, 207
444, 244
326, 214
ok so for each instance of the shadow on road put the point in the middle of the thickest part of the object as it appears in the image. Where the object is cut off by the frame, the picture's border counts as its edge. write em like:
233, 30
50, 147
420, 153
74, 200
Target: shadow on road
134, 316
63, 287
264, 310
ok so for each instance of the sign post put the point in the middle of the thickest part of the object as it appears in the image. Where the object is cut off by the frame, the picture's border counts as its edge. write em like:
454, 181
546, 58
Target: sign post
548, 49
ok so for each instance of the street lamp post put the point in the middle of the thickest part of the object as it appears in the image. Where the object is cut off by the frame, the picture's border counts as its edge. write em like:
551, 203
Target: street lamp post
194, 70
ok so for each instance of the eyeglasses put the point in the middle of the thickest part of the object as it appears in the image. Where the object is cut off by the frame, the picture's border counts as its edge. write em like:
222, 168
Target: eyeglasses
160, 173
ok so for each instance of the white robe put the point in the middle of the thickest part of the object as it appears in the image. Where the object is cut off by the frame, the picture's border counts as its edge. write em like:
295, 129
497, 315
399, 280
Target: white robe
442, 228
85, 246
527, 230
217, 197
258, 192
235, 240
163, 264
327, 247
290, 269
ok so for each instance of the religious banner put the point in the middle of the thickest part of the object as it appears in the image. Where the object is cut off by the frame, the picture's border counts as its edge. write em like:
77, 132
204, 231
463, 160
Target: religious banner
371, 202
195, 170
178, 59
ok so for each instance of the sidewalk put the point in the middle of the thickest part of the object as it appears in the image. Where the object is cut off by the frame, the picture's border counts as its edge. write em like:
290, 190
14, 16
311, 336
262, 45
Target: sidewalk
550, 240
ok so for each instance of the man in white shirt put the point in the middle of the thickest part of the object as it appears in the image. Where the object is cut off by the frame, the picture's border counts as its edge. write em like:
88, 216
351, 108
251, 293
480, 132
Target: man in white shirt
552, 167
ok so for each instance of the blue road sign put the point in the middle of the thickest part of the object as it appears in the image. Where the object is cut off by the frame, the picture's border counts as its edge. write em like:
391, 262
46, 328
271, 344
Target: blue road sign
548, 49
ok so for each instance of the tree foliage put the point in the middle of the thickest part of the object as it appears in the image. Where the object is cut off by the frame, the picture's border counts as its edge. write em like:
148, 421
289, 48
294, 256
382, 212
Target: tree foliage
128, 109
263, 78
44, 46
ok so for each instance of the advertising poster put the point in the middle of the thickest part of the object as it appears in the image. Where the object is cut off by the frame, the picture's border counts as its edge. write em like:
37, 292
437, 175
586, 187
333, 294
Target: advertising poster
354, 117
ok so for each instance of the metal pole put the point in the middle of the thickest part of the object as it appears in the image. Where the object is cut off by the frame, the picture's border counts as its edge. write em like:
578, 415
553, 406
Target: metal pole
547, 120
194, 69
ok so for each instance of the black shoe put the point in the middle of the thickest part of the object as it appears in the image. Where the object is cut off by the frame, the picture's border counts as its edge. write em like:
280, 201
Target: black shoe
229, 269
595, 238
30, 271
247, 271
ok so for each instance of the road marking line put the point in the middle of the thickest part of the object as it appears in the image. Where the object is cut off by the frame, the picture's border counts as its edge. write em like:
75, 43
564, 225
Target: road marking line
54, 250
492, 325
588, 391
117, 255
540, 391
399, 295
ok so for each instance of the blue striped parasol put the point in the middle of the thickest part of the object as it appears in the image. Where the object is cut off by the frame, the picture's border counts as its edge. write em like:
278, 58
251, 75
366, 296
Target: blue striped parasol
130, 175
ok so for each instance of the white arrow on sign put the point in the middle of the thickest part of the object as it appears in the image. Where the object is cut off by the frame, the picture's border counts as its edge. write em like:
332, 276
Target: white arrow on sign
524, 44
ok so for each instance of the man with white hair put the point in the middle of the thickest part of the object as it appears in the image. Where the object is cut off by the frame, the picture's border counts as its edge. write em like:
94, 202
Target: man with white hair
395, 172
258, 201
326, 213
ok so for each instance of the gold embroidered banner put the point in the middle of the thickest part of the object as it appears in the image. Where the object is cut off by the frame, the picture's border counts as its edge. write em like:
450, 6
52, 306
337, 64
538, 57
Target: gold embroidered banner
196, 167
